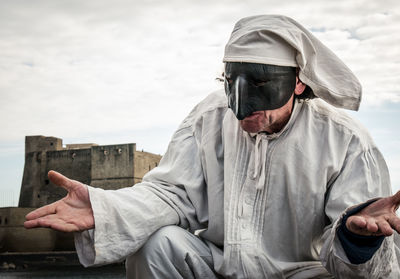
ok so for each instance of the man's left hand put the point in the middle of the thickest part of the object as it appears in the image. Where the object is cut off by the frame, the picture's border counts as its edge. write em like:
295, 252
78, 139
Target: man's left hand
378, 218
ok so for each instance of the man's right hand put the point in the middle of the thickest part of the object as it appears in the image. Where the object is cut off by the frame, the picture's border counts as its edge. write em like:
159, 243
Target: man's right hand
71, 214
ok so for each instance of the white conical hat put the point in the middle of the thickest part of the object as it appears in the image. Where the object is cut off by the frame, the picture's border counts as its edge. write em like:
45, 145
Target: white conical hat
280, 40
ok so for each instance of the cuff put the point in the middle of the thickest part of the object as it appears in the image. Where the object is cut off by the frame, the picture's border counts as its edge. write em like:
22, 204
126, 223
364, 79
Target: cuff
358, 248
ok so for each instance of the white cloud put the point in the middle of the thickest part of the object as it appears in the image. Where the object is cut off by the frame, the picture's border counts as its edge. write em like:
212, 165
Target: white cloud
83, 70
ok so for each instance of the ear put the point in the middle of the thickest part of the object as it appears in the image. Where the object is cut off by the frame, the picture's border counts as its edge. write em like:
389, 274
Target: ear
300, 87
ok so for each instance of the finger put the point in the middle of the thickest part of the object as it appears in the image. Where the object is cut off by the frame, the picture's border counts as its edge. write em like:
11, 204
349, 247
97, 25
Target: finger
385, 228
372, 226
64, 227
42, 211
31, 224
41, 222
54, 222
51, 221
355, 223
61, 180
394, 222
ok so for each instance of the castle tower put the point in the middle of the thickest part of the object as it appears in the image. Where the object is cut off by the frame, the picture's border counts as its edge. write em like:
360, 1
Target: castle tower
105, 166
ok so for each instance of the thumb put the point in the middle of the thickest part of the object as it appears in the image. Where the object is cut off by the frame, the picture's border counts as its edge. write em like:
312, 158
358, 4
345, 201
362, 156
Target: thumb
61, 180
396, 199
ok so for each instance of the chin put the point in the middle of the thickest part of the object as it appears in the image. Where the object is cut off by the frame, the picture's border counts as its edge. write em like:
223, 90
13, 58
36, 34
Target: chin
250, 127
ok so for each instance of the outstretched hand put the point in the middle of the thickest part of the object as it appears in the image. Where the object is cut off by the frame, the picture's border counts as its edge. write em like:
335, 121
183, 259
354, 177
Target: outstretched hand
71, 214
378, 218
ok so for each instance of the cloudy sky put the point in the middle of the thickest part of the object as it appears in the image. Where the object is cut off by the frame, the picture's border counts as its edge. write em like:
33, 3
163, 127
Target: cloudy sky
128, 71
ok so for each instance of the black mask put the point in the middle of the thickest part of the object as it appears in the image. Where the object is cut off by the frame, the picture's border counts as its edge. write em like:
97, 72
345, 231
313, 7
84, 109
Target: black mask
252, 87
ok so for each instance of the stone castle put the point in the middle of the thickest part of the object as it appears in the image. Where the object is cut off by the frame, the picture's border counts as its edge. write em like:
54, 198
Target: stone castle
106, 166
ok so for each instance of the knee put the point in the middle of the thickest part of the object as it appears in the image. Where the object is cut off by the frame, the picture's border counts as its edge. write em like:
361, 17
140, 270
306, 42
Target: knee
171, 252
162, 243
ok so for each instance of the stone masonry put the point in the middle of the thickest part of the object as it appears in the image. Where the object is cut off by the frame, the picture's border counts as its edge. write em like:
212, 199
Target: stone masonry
104, 166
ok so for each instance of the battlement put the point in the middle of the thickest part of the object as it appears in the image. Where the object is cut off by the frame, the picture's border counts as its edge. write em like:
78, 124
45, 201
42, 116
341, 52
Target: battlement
104, 166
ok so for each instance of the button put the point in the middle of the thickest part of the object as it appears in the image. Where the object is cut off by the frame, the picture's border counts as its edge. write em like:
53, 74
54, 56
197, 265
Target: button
243, 225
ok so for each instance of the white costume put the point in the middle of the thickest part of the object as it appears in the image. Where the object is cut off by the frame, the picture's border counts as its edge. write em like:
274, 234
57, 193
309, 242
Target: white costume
273, 202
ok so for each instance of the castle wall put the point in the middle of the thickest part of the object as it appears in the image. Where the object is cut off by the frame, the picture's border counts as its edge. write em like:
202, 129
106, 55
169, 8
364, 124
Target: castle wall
32, 178
145, 161
107, 167
41, 143
15, 238
113, 166
35, 168
75, 164
13, 235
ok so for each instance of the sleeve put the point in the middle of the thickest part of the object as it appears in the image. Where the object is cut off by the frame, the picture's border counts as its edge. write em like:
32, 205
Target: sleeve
358, 248
172, 193
363, 176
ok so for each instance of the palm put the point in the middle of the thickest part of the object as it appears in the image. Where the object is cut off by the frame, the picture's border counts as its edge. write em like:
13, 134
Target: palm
379, 218
70, 214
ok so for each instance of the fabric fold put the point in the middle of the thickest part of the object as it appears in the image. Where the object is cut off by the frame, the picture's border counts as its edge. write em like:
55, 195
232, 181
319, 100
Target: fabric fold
280, 40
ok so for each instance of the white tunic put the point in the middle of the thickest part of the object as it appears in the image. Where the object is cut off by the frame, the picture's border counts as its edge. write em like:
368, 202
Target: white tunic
273, 202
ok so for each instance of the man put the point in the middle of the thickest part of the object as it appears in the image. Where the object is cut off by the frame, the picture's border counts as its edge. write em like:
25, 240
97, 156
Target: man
261, 177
